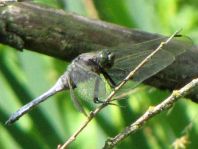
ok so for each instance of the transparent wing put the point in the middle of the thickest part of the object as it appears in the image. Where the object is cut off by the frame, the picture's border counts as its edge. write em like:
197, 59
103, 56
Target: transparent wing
88, 84
127, 59
76, 102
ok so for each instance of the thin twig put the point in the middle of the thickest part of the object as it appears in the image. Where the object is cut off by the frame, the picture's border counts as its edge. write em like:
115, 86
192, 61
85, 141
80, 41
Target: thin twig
109, 98
151, 112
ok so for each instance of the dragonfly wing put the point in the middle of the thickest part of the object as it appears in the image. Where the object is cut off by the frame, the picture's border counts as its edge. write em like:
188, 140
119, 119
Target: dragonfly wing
76, 102
158, 62
127, 59
85, 82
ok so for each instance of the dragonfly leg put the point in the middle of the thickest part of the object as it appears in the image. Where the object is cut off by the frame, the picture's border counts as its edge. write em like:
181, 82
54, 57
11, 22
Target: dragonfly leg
96, 100
108, 77
96, 91
105, 74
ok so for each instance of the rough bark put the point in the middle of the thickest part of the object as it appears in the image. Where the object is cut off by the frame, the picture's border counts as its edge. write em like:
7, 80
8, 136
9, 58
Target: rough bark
64, 35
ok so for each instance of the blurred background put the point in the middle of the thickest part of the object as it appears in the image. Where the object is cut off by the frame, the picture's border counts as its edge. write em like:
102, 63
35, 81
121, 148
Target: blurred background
24, 76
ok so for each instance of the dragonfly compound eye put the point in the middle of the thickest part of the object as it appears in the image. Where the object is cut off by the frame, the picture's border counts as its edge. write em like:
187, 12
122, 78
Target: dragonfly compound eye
106, 59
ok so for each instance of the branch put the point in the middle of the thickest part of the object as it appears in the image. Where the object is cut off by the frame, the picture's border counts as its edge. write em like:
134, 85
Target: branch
59, 34
151, 112
64, 36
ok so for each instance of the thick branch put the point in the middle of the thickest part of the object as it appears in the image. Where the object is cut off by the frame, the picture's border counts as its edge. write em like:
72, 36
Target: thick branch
64, 36
59, 34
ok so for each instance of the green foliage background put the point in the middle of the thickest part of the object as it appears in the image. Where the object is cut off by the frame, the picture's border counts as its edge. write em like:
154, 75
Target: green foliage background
25, 75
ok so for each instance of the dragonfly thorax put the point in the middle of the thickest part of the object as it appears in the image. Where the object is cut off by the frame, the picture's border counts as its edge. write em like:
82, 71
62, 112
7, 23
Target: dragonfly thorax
93, 61
88, 65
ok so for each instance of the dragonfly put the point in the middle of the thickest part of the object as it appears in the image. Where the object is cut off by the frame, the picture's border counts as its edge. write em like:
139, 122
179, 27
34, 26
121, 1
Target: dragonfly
113, 64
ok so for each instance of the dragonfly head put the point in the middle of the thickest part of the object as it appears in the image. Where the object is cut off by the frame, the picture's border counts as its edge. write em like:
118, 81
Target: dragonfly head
105, 58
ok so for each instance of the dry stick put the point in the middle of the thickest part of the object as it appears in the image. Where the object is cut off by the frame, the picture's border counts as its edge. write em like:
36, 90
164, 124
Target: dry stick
151, 112
131, 74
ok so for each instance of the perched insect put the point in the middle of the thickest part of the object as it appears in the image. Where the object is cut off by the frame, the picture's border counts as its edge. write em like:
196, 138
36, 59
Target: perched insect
114, 64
